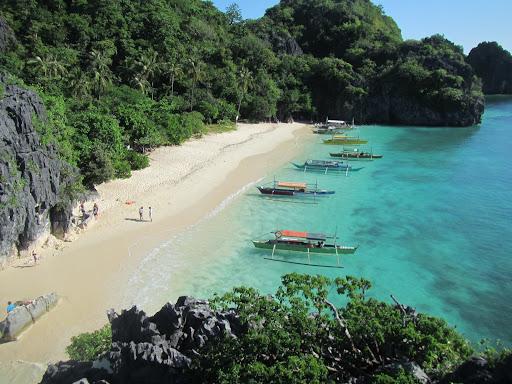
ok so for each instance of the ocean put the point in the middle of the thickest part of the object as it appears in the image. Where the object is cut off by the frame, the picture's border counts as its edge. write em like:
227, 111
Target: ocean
432, 219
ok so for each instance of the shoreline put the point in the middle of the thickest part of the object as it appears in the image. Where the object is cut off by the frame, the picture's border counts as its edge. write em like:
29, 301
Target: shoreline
187, 183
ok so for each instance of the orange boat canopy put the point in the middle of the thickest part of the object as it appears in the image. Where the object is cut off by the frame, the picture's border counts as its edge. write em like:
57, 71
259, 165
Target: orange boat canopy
289, 184
301, 235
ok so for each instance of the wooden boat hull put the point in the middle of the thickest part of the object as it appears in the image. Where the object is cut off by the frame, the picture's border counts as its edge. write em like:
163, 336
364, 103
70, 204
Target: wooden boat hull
290, 192
326, 169
355, 156
345, 141
282, 245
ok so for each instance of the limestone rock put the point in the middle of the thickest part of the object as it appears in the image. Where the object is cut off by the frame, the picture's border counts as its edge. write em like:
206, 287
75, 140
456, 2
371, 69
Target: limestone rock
25, 315
32, 176
156, 349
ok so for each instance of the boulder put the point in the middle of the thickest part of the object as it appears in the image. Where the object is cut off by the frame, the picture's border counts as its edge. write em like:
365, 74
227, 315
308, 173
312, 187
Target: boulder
25, 315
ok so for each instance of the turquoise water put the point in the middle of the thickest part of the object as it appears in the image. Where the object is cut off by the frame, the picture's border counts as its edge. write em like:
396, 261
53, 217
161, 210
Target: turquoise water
433, 220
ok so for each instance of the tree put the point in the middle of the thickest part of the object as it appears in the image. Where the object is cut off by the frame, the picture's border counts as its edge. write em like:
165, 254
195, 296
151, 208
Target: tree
101, 76
234, 14
196, 73
244, 82
49, 66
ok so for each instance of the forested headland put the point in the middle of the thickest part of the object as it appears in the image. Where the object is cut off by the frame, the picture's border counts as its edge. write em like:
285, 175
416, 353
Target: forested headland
120, 77
493, 65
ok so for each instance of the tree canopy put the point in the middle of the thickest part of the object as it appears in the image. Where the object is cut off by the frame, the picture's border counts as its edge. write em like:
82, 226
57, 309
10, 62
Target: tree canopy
154, 72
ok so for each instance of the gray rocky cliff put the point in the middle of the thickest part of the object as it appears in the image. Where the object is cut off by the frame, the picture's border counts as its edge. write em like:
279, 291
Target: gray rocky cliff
32, 177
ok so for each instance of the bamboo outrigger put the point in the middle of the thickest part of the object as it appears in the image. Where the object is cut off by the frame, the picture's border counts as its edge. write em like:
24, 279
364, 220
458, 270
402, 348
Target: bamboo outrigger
305, 242
325, 166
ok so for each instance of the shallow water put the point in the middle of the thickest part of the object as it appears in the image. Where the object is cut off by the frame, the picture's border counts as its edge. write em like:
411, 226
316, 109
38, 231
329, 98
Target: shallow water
433, 220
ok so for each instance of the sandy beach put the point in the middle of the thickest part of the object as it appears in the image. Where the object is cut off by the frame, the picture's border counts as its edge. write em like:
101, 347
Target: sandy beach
182, 185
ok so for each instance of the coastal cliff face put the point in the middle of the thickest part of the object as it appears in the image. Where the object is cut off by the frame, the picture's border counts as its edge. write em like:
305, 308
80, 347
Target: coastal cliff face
493, 65
32, 175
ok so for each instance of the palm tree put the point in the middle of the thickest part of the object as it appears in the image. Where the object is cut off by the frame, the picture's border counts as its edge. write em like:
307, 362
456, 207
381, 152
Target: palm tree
142, 84
243, 86
99, 68
146, 68
81, 84
49, 65
173, 69
196, 72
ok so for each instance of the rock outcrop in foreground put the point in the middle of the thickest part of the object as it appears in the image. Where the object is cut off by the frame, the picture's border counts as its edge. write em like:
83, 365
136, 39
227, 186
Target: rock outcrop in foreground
161, 348
156, 349
32, 177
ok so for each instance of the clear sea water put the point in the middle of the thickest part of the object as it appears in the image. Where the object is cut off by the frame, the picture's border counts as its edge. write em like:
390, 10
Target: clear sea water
433, 220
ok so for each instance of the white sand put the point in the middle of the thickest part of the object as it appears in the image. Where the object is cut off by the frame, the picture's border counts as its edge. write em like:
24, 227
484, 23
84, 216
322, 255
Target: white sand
182, 185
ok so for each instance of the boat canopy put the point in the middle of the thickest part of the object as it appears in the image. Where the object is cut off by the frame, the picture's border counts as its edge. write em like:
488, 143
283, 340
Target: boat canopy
336, 121
301, 235
323, 162
290, 184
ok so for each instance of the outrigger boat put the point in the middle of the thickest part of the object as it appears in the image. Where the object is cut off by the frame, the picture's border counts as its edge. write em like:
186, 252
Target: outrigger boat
288, 188
305, 242
324, 129
331, 127
343, 139
356, 154
325, 166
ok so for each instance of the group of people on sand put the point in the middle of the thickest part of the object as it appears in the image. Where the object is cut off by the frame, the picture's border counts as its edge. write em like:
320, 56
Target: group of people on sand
141, 213
95, 210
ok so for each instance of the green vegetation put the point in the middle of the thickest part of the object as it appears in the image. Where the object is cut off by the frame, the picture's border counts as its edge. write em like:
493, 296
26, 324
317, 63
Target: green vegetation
120, 78
89, 346
493, 64
316, 330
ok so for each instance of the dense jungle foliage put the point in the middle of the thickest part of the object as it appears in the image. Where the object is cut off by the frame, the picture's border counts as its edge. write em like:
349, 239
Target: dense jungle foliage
317, 330
123, 76
493, 64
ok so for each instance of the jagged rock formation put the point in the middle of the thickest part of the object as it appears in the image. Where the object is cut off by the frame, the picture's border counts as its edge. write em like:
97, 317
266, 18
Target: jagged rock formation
156, 349
32, 177
25, 315
493, 65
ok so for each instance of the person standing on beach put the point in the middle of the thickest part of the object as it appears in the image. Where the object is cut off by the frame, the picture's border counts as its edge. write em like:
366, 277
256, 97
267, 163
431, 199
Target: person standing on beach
141, 213
95, 210
150, 210
34, 255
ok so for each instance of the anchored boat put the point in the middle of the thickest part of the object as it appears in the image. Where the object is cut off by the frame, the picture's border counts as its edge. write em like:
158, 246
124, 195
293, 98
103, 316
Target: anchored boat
343, 139
305, 242
326, 166
355, 154
288, 188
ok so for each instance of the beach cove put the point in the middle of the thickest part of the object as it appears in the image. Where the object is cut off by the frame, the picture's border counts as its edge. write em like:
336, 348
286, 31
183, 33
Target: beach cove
430, 231
91, 274
432, 220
